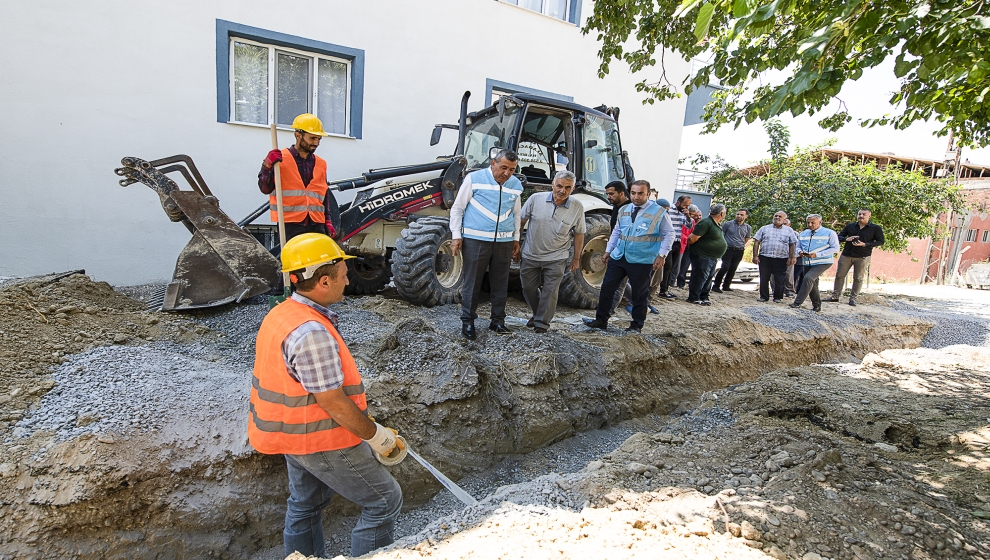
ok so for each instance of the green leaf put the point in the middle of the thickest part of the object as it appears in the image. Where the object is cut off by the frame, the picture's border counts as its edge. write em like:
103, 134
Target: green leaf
685, 7
704, 21
981, 514
902, 67
741, 8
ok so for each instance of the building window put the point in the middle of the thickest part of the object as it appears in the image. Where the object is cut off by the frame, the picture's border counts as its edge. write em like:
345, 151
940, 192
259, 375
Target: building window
566, 10
986, 236
971, 234
265, 77
272, 83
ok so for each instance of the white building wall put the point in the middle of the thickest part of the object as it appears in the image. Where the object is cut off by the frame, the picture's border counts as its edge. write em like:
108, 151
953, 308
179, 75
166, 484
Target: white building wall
83, 84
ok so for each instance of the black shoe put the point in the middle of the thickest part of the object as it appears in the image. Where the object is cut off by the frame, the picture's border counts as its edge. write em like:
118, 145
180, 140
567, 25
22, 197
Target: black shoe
777, 300
467, 331
668, 295
499, 328
694, 301
705, 302
596, 324
632, 329
817, 309
794, 305
789, 294
717, 290
530, 323
539, 330
727, 290
852, 302
831, 300
764, 300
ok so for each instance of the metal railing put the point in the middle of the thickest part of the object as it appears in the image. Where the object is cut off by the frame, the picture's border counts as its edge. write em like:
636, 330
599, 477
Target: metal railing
693, 180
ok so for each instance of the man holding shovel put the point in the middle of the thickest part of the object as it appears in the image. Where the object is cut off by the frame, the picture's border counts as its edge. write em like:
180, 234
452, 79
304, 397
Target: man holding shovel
305, 200
308, 404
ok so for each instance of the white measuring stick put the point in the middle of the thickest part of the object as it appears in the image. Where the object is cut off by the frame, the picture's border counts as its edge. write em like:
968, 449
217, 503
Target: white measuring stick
447, 483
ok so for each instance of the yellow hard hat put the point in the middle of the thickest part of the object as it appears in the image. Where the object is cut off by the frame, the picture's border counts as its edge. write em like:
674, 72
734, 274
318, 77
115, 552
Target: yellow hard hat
305, 253
307, 122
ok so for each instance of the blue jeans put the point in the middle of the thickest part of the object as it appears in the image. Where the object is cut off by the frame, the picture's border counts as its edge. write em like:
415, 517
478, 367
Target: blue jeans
355, 474
702, 273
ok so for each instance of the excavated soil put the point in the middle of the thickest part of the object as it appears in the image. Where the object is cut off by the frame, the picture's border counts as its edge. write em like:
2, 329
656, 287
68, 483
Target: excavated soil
124, 431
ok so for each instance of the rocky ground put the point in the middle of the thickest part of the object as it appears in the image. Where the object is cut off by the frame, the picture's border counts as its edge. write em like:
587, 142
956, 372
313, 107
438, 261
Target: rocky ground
123, 432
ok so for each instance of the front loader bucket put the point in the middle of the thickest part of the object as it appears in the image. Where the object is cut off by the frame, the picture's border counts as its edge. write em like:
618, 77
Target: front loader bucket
222, 263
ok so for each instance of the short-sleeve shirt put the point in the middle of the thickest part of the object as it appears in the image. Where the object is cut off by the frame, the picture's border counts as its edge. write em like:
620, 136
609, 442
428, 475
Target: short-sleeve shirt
711, 242
776, 242
735, 234
550, 228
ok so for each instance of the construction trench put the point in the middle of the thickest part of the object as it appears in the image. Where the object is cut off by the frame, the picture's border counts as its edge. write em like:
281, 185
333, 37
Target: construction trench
124, 431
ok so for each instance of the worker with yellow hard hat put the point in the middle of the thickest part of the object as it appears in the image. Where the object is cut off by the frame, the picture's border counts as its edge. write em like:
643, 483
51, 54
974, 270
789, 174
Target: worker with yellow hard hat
308, 403
305, 202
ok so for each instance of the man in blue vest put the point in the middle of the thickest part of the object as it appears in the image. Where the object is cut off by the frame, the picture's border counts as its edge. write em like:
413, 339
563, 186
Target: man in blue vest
817, 247
484, 221
636, 249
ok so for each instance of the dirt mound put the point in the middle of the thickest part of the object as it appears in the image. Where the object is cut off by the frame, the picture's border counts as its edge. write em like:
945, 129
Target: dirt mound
44, 319
778, 467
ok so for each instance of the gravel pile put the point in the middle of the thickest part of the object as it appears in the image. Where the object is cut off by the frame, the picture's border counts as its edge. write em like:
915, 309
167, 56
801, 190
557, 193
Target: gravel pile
803, 320
106, 391
950, 328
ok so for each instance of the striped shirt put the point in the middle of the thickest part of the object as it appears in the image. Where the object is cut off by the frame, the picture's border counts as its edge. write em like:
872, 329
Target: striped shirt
677, 218
311, 352
775, 242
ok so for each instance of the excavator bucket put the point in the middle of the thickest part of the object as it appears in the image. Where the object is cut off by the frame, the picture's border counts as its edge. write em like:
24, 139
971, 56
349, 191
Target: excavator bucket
222, 263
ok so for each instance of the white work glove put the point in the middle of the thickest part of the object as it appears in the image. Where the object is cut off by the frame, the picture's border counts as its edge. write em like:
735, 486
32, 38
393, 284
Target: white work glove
383, 441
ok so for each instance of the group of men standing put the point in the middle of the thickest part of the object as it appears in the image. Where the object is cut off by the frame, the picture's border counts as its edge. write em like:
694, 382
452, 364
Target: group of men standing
777, 246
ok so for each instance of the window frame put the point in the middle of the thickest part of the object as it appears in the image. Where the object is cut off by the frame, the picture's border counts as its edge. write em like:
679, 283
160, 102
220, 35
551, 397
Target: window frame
573, 10
972, 235
273, 52
228, 32
986, 236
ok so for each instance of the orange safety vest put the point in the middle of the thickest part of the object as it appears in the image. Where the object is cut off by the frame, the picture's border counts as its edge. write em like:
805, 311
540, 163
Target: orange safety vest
284, 416
299, 200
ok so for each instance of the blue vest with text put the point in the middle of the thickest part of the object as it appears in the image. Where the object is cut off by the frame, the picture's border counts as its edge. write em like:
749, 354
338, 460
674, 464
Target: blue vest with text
488, 217
639, 241
816, 242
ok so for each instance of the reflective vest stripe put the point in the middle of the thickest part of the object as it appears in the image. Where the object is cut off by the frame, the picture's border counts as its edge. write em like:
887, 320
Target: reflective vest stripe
295, 429
304, 209
300, 201
635, 238
489, 214
488, 234
284, 417
305, 400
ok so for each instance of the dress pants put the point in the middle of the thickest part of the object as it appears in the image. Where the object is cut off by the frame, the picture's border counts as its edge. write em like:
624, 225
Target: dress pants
639, 279
496, 257
671, 265
859, 266
730, 262
809, 284
777, 268
683, 267
540, 286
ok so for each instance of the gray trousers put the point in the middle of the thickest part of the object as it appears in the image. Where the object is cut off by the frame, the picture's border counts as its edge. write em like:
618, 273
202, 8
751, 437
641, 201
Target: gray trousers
809, 286
859, 266
540, 286
496, 257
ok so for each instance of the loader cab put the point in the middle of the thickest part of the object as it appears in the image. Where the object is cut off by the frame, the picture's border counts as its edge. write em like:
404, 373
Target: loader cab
550, 135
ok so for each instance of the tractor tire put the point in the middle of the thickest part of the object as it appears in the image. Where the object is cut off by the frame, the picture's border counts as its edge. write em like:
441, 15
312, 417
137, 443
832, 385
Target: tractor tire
581, 288
367, 275
424, 271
